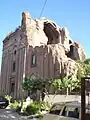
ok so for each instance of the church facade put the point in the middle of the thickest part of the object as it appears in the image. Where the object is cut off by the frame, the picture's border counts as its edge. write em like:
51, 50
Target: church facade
40, 48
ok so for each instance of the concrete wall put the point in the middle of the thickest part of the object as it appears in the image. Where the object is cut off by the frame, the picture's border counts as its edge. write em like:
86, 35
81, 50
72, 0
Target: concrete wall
63, 98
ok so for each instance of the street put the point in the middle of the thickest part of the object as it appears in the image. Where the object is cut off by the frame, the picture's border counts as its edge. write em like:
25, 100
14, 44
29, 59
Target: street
10, 115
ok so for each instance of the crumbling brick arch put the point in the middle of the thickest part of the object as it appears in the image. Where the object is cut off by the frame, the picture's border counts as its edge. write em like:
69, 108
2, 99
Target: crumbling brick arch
51, 33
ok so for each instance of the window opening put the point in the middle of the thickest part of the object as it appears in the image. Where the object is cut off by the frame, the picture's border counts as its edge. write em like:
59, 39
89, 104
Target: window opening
33, 60
70, 41
71, 112
12, 87
71, 49
15, 52
14, 66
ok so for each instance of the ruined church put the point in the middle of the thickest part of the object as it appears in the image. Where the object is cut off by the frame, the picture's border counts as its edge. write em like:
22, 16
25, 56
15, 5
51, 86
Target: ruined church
38, 47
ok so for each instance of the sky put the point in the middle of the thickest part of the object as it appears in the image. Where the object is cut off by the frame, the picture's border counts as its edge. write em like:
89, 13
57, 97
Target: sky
73, 14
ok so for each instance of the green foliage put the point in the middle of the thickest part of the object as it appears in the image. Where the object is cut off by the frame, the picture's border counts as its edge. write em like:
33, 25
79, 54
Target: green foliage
25, 104
87, 61
87, 69
36, 107
8, 98
43, 105
29, 107
75, 83
57, 84
33, 108
16, 105
67, 82
72, 82
32, 85
83, 68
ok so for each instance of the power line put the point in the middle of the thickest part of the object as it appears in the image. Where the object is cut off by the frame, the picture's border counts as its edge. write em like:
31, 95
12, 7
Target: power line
43, 8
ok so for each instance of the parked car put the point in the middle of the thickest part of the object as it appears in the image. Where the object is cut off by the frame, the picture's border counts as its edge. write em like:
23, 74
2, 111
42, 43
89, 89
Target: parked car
3, 102
64, 111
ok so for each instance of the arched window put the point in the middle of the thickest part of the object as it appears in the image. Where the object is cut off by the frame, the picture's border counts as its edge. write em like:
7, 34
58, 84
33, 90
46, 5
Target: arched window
15, 52
14, 66
33, 60
12, 87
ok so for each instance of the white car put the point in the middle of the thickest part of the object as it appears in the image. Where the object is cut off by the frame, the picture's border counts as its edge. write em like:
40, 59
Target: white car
64, 111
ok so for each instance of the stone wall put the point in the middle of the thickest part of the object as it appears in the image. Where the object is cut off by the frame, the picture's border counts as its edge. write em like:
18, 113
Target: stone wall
44, 32
13, 51
51, 62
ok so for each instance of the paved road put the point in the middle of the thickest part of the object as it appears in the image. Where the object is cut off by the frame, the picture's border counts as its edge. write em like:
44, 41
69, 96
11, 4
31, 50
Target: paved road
10, 115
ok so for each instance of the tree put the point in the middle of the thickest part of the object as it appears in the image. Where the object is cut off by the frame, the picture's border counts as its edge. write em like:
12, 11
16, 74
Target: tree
32, 85
67, 83
87, 61
62, 84
72, 82
56, 84
83, 68
87, 69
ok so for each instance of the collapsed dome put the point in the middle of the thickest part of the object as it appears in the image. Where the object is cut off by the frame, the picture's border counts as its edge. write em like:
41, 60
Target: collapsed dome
52, 32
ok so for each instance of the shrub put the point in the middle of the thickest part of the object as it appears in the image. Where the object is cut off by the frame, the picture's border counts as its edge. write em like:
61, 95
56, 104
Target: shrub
37, 107
33, 109
8, 98
25, 104
29, 107
16, 105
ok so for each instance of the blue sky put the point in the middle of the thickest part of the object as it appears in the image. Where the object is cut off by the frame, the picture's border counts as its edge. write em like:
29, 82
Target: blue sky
73, 14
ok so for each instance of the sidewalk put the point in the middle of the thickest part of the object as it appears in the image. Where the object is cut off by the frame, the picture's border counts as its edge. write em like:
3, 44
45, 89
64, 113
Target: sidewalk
10, 115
